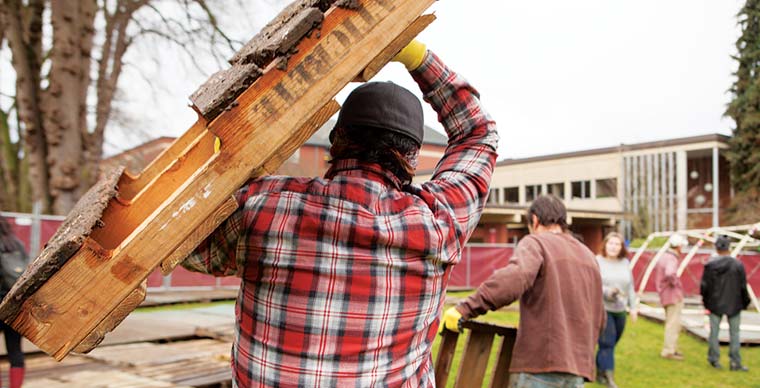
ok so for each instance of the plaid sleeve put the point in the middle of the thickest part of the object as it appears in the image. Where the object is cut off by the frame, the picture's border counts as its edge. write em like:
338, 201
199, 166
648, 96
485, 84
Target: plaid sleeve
462, 178
218, 254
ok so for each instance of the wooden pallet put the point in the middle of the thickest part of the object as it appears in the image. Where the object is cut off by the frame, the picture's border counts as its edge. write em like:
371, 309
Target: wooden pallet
474, 361
89, 277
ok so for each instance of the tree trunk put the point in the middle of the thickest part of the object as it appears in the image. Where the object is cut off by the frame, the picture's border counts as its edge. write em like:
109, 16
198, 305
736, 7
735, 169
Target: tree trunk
8, 165
24, 42
2, 27
65, 103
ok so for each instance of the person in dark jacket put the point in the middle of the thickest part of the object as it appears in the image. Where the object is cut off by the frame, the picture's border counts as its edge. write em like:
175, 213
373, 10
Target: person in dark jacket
13, 261
724, 292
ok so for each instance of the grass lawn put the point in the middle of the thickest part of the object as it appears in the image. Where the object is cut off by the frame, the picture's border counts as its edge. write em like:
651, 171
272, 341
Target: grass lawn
638, 362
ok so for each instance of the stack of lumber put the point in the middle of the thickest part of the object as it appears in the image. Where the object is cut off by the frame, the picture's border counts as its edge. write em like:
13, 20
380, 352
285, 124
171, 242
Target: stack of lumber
193, 363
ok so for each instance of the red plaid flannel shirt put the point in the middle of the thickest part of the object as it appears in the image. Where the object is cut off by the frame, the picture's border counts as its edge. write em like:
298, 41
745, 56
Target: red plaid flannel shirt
344, 278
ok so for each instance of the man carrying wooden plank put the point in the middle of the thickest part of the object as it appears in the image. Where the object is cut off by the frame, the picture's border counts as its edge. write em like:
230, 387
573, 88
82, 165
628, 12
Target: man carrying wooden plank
557, 280
344, 276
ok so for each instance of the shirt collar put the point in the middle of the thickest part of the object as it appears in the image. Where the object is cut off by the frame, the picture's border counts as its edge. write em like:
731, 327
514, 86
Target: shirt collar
355, 168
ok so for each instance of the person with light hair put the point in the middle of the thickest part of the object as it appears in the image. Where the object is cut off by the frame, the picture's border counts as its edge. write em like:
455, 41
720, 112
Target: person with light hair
670, 291
619, 297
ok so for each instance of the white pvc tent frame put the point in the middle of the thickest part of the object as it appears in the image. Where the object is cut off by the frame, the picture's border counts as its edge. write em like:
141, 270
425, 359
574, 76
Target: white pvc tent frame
746, 239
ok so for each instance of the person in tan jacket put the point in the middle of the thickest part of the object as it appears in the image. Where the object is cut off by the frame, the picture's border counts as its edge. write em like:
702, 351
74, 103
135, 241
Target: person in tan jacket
557, 280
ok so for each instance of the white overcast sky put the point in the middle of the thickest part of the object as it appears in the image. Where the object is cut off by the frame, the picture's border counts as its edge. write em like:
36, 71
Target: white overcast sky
555, 75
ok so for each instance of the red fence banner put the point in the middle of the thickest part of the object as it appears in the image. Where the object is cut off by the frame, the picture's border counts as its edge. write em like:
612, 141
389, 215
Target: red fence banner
26, 225
692, 274
479, 261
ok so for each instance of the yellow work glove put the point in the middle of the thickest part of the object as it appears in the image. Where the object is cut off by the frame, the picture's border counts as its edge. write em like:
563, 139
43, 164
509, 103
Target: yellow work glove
452, 320
412, 55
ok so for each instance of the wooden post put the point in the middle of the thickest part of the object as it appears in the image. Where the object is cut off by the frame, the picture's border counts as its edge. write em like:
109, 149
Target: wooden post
651, 266
472, 367
715, 188
681, 187
446, 351
689, 256
500, 374
641, 250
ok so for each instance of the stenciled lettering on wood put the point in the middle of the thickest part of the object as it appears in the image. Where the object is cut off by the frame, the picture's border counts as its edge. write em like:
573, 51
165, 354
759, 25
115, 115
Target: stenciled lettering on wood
315, 65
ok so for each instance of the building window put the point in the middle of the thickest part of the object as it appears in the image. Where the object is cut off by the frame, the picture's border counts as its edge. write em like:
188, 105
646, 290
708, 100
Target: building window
557, 189
532, 192
581, 189
493, 197
511, 195
606, 188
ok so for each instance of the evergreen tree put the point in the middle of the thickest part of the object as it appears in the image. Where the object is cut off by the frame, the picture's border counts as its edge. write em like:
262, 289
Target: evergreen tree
744, 153
744, 109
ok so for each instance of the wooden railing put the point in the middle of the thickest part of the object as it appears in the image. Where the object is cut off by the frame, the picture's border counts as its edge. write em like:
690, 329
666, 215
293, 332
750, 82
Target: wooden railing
472, 366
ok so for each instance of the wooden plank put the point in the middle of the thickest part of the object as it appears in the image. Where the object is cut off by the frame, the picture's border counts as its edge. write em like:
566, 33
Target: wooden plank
113, 378
198, 235
38, 367
149, 354
268, 113
500, 373
222, 333
126, 214
396, 46
114, 319
202, 295
131, 184
286, 150
472, 366
195, 372
484, 327
445, 357
229, 206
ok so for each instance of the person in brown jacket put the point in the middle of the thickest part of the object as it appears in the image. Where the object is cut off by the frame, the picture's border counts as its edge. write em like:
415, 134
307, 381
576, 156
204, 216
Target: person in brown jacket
557, 280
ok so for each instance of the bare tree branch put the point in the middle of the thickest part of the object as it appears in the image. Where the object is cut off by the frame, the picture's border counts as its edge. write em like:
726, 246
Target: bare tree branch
2, 29
214, 24
53, 108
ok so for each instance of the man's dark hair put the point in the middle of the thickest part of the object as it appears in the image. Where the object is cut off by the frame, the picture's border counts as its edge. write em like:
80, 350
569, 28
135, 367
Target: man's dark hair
375, 145
722, 243
549, 210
